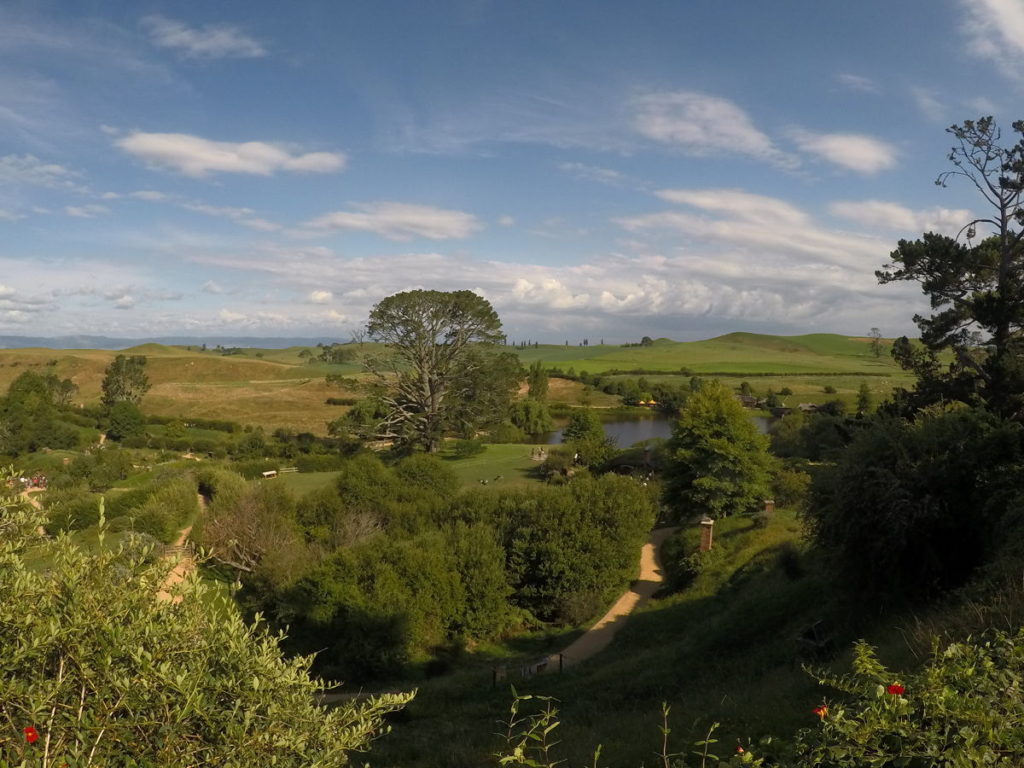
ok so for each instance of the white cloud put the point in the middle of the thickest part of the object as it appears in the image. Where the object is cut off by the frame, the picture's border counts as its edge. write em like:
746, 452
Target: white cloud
232, 317
741, 204
30, 170
506, 220
593, 173
755, 222
85, 211
126, 301
704, 125
10, 215
211, 286
928, 103
982, 106
995, 31
400, 221
855, 152
150, 195
893, 216
211, 41
320, 297
243, 216
857, 83
197, 157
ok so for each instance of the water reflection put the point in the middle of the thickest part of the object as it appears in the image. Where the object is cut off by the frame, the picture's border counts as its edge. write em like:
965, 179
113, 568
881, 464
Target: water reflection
627, 430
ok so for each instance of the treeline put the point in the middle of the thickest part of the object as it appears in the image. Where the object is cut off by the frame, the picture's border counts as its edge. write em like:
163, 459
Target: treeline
391, 565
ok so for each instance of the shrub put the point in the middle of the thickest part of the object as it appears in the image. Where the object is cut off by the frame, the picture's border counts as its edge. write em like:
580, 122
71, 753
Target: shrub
464, 449
326, 462
124, 679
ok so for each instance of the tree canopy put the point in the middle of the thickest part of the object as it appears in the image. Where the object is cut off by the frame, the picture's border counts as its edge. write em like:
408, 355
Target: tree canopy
439, 361
125, 380
976, 288
717, 461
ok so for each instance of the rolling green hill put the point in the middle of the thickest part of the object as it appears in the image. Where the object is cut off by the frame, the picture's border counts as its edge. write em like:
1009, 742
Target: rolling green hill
733, 354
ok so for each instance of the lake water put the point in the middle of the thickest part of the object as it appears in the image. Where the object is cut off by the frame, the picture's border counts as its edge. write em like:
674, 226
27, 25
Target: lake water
627, 430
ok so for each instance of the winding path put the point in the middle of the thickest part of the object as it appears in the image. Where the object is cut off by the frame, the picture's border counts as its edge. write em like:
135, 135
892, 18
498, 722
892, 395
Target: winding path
597, 638
185, 563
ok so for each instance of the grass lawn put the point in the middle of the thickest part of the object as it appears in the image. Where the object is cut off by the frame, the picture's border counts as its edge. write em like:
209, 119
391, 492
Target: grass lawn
301, 483
510, 461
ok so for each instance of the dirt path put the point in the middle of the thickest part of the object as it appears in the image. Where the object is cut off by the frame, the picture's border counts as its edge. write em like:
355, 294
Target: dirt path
597, 638
185, 563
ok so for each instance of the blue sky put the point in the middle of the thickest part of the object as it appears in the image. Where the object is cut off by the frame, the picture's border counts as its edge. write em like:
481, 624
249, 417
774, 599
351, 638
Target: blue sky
595, 169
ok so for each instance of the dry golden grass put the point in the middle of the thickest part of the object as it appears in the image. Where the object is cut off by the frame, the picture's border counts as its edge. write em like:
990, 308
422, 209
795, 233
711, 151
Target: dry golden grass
196, 384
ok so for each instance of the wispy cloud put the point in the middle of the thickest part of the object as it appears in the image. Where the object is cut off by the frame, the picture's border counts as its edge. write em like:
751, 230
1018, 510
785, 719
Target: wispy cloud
995, 31
30, 170
927, 102
700, 124
244, 216
86, 211
893, 216
858, 83
198, 157
852, 151
210, 41
400, 221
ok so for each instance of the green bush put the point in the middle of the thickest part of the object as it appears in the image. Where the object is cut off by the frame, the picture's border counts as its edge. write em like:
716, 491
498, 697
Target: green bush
962, 709
97, 671
326, 462
167, 510
465, 449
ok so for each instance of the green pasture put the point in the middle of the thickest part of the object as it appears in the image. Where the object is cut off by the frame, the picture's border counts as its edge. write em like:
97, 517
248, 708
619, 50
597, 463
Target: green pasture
301, 483
736, 353
509, 461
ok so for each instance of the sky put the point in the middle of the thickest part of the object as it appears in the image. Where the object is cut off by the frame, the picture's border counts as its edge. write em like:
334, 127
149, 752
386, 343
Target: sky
594, 168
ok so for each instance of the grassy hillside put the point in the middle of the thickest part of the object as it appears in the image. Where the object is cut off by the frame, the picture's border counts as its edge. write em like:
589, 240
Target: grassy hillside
195, 384
734, 353
279, 388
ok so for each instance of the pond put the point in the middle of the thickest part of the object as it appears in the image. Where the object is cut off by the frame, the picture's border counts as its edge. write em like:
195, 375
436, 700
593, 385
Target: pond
627, 430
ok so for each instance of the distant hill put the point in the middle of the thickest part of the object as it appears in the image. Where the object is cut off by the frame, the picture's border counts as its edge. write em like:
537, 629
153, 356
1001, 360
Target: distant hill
108, 342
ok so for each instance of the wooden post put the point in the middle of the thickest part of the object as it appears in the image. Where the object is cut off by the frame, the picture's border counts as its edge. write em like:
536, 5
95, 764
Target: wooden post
707, 530
561, 663
769, 506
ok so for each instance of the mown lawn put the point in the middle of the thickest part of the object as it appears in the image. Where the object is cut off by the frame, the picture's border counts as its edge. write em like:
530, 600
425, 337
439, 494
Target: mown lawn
502, 466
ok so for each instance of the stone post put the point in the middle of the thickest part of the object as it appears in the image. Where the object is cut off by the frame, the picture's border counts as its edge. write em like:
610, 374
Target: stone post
707, 529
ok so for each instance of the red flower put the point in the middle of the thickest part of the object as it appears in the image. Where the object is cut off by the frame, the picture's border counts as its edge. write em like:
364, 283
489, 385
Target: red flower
895, 689
739, 750
31, 734
821, 710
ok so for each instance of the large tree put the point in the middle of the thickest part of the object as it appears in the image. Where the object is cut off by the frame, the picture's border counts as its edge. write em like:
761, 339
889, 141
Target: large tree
976, 288
717, 463
125, 380
438, 348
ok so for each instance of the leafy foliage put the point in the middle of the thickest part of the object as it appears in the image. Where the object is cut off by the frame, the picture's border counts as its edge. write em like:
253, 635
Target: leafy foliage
97, 671
976, 290
910, 508
438, 359
717, 461
125, 379
963, 709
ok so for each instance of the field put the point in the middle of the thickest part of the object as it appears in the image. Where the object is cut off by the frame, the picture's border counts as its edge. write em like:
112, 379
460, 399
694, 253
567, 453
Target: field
502, 466
735, 354
274, 388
